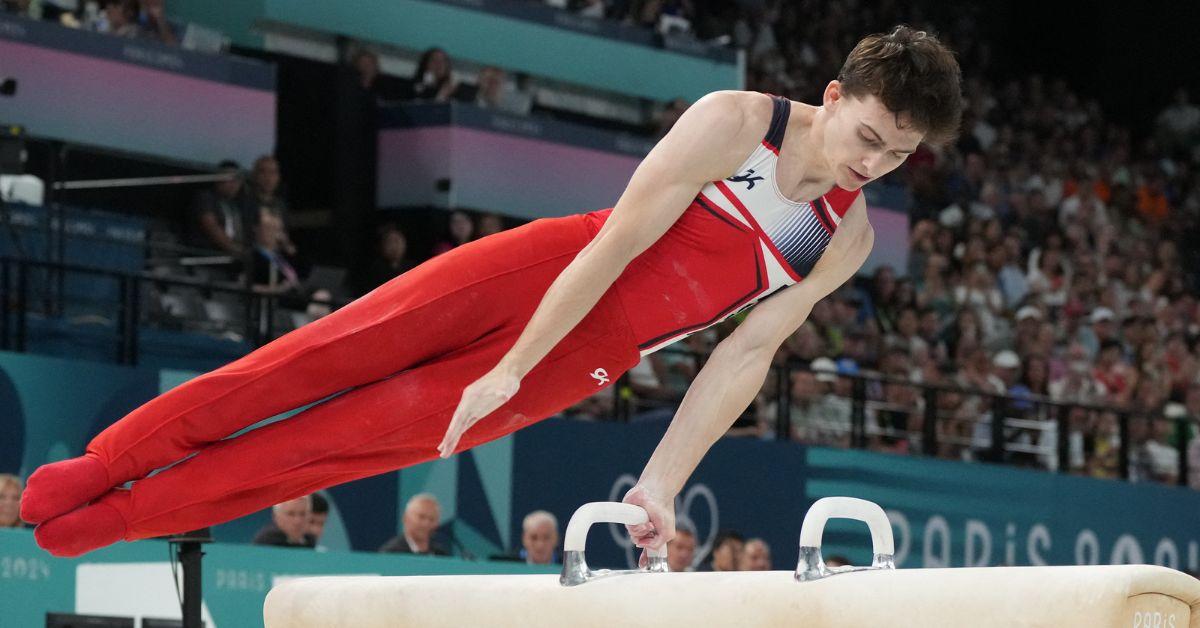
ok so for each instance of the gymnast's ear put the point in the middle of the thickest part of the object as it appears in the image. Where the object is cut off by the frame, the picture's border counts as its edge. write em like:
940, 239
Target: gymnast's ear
833, 95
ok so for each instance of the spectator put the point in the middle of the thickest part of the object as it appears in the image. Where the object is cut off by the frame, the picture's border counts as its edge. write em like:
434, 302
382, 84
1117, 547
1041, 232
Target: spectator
836, 561
24, 8
756, 556
725, 554
831, 426
434, 78
289, 525
392, 260
265, 184
274, 271
120, 19
489, 93
489, 224
1149, 457
460, 230
221, 217
10, 501
317, 516
1192, 408
153, 22
1076, 384
372, 80
681, 550
539, 538
422, 516
519, 100
1102, 331
1163, 457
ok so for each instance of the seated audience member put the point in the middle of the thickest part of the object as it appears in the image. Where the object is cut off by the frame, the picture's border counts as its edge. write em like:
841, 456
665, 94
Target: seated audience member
152, 20
539, 538
289, 522
317, 517
392, 259
725, 554
489, 224
275, 271
460, 230
120, 19
10, 501
756, 556
434, 78
265, 187
382, 87
681, 551
422, 516
221, 213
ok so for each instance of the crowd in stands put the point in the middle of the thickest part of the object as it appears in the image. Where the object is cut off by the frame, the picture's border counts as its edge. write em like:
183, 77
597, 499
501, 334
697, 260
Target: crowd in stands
1050, 258
1045, 260
132, 19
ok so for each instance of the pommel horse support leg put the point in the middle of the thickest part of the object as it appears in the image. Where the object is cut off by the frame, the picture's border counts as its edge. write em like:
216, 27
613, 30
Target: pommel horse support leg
814, 596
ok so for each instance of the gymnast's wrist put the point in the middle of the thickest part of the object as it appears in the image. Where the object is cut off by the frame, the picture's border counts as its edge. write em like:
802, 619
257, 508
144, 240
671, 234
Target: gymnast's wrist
511, 366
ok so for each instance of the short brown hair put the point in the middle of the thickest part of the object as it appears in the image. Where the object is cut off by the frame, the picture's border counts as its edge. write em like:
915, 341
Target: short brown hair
910, 72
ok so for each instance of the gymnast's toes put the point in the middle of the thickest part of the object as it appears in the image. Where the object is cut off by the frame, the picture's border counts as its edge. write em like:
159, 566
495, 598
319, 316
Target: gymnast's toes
61, 487
80, 531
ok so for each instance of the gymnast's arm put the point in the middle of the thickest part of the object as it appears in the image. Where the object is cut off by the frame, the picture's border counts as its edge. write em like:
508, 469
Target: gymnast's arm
706, 144
737, 368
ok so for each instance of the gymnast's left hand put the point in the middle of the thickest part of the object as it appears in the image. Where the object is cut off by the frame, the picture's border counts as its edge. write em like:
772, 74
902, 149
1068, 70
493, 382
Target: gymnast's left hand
479, 400
660, 529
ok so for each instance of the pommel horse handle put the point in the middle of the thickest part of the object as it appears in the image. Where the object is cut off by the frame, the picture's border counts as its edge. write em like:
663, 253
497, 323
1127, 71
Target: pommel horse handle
812, 567
575, 569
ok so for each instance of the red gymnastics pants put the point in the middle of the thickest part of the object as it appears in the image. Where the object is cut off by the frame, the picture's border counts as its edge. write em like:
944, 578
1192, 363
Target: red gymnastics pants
403, 355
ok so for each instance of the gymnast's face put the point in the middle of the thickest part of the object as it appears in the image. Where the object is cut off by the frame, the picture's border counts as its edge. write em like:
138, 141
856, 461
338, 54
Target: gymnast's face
861, 138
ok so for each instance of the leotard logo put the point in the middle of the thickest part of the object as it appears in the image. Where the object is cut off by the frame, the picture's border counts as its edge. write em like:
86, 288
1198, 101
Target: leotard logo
601, 376
747, 178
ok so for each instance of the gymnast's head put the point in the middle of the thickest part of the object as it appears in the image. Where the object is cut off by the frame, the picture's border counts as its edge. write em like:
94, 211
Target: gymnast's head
894, 91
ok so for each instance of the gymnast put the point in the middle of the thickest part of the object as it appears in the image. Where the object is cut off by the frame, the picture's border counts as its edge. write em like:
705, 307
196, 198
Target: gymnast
748, 196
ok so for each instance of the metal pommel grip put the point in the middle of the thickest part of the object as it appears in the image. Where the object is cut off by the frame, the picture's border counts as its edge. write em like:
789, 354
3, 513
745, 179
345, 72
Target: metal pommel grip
575, 569
812, 567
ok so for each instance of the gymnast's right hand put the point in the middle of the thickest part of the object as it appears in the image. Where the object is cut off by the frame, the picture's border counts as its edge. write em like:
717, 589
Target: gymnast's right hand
660, 529
479, 400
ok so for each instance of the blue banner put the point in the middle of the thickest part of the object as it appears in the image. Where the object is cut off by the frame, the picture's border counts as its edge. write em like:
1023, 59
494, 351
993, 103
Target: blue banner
943, 513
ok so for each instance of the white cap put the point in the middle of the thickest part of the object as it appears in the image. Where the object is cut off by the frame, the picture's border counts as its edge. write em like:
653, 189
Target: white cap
1006, 360
1102, 314
1029, 312
825, 369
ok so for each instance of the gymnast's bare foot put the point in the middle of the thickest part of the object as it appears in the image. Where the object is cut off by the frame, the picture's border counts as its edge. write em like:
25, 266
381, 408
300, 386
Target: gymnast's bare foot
82, 530
60, 487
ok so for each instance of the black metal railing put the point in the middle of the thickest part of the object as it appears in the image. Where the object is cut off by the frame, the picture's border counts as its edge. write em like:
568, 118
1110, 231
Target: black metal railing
127, 309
